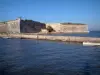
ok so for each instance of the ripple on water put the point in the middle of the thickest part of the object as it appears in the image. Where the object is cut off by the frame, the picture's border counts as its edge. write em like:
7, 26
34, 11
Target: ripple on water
32, 57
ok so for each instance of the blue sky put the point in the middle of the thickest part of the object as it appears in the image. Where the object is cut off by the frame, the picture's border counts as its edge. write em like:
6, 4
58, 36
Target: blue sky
81, 11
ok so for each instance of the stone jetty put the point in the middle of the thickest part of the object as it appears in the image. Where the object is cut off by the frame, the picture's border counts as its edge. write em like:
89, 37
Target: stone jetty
54, 38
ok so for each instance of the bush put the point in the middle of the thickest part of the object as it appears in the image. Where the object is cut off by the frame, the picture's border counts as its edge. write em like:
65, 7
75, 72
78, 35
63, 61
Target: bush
50, 29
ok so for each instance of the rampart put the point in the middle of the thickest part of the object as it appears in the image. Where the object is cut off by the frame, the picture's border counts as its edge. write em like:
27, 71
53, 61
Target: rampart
64, 28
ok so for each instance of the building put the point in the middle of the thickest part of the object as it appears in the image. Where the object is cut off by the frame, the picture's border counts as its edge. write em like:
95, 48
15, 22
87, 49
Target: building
22, 26
28, 26
68, 27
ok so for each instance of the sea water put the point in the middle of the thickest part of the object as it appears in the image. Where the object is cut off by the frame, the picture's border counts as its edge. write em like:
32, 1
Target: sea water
40, 57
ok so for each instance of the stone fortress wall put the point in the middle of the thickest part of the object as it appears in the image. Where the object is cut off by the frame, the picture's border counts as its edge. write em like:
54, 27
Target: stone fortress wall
14, 26
56, 26
64, 28
21, 26
74, 28
29, 26
3, 27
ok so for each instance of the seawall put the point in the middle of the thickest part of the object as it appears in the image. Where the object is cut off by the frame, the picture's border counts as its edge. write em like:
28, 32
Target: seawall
54, 38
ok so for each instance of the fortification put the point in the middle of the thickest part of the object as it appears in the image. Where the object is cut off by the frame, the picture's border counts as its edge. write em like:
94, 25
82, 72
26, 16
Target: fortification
21, 26
13, 26
28, 26
68, 27
3, 27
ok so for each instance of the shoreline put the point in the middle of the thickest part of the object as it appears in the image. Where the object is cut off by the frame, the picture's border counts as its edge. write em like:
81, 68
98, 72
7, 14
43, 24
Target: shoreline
76, 39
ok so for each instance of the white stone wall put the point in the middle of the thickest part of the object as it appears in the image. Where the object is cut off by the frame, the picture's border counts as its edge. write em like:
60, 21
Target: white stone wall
14, 26
68, 27
73, 28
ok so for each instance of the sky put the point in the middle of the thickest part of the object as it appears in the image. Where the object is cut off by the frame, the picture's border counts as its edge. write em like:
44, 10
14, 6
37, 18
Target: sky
49, 11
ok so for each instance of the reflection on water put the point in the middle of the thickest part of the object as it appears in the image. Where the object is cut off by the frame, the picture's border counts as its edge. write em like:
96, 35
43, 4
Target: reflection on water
86, 69
32, 57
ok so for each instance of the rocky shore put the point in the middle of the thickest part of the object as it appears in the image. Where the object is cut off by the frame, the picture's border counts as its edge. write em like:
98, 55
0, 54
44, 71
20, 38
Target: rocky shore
54, 38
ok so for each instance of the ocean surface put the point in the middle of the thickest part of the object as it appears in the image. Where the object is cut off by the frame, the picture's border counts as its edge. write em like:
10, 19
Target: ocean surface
40, 57
90, 34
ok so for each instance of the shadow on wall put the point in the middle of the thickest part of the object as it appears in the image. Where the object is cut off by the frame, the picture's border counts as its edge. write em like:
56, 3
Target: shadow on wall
29, 26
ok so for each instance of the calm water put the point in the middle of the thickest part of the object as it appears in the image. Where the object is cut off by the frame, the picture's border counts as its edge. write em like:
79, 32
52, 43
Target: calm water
32, 57
90, 34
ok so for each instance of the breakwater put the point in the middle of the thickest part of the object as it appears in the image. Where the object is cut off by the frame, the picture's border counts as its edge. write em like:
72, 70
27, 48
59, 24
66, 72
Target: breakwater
54, 38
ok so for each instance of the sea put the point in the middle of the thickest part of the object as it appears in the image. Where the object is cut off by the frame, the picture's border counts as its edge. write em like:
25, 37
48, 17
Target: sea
42, 57
90, 34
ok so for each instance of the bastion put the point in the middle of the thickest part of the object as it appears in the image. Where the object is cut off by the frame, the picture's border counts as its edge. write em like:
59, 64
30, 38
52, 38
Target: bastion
29, 26
69, 27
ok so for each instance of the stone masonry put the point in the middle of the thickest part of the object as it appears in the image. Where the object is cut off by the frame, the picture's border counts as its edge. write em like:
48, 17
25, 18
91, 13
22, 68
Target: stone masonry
21, 26
3, 27
68, 27
29, 26
14, 26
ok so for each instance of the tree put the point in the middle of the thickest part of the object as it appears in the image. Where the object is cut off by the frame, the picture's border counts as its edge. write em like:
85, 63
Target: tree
50, 29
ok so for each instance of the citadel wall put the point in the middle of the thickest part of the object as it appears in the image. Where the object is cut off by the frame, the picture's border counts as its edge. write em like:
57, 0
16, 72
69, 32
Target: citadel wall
13, 26
64, 28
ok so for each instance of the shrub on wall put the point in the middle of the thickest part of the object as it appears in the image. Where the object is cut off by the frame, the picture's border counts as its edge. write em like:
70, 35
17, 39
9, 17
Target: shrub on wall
50, 29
